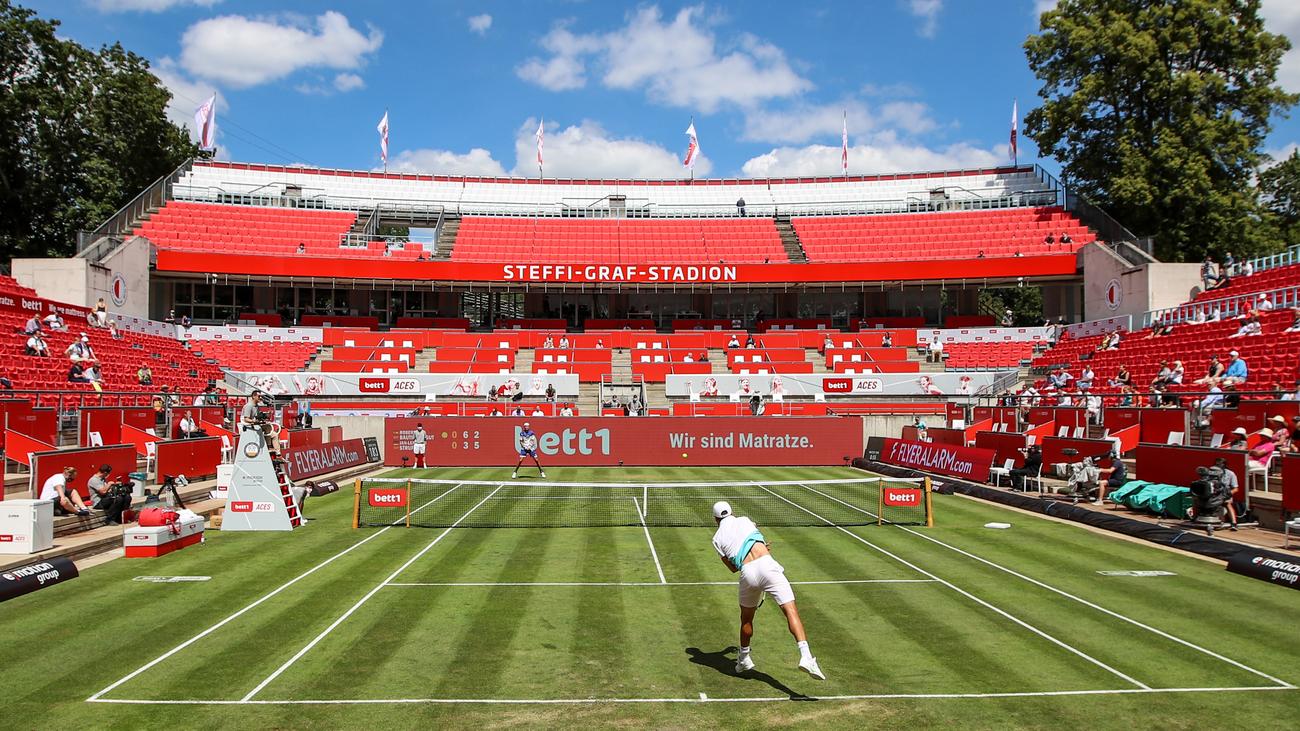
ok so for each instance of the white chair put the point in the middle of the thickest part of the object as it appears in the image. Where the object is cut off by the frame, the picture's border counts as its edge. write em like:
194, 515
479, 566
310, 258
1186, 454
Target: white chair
836, 359
1063, 432
735, 397
1254, 471
1004, 471
548, 358
95, 439
856, 358
150, 457
1080, 432
227, 449
502, 358
1175, 437
1216, 441
819, 398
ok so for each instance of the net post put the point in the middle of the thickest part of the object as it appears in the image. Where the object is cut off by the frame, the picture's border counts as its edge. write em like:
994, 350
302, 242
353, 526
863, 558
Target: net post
880, 501
929, 507
408, 503
356, 504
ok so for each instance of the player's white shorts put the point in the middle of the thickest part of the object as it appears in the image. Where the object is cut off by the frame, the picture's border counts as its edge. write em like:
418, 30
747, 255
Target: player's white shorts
418, 448
764, 575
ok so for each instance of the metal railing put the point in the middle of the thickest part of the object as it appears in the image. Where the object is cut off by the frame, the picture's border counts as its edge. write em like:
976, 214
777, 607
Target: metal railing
1274, 261
90, 244
1203, 310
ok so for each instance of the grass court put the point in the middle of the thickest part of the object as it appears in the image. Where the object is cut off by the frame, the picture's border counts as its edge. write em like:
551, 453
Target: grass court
468, 626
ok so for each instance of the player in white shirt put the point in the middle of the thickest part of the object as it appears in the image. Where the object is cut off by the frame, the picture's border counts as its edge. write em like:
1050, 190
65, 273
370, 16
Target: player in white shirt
418, 442
528, 448
743, 549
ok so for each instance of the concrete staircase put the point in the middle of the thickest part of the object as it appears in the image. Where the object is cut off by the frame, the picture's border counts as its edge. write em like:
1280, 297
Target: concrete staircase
790, 240
326, 353
621, 366
446, 240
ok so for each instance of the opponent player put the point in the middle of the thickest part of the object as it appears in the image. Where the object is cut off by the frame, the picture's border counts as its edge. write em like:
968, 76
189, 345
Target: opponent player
743, 549
528, 448
419, 442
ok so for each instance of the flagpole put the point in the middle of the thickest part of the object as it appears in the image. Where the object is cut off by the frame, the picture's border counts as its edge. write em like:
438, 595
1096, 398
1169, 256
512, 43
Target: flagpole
1015, 148
385, 135
692, 168
541, 168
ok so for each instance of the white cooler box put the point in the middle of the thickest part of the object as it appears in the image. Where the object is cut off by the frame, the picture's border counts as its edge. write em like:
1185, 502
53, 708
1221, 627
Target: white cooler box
26, 526
149, 542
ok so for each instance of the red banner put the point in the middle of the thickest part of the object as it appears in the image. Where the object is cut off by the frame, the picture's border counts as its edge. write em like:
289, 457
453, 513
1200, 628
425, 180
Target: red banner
395, 497
667, 440
970, 463
317, 459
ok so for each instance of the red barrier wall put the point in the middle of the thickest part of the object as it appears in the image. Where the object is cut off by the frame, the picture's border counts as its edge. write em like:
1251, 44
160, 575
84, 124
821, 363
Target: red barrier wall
1291, 483
317, 459
1005, 446
138, 438
970, 463
306, 437
1175, 465
18, 446
999, 415
937, 435
87, 461
106, 420
194, 458
141, 417
40, 424
1158, 423
335, 433
588, 441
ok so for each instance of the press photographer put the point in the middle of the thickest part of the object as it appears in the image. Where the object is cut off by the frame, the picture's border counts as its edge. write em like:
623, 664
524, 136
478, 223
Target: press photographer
111, 496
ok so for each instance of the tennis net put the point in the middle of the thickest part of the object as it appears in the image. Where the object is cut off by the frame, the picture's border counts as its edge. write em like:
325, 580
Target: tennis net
487, 504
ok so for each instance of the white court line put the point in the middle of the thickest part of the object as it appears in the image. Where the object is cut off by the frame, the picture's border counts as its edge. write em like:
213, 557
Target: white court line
706, 699
307, 648
650, 583
970, 596
653, 553
1081, 600
274, 592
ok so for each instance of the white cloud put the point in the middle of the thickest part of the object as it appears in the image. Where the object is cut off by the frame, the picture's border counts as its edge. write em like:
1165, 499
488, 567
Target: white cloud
804, 122
1278, 154
187, 94
883, 155
584, 150
445, 162
480, 23
1042, 6
677, 62
587, 150
146, 6
349, 82
238, 51
928, 12
1283, 17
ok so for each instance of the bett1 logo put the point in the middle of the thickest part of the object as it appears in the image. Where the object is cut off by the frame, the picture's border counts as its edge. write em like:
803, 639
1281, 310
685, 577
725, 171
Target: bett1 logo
393, 497
570, 442
902, 497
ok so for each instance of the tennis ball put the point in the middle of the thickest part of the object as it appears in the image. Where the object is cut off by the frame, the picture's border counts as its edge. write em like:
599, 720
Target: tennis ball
683, 455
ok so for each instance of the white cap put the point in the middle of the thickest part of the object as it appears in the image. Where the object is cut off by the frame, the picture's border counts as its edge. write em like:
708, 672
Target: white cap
1233, 353
721, 509
525, 425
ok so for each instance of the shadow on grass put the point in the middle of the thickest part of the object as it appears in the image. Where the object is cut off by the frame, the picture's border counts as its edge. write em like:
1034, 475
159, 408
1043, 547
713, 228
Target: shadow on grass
724, 661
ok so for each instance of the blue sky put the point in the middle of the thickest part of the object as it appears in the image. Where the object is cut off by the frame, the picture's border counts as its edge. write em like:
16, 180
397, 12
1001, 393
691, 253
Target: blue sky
927, 84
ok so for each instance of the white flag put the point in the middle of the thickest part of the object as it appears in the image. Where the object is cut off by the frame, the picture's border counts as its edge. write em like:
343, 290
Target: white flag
205, 121
692, 147
540, 134
844, 144
383, 137
1015, 117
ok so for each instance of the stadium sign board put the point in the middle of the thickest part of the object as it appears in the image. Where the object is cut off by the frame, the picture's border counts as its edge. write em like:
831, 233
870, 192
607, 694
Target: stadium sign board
795, 384
665, 440
32, 577
968, 463
317, 459
407, 384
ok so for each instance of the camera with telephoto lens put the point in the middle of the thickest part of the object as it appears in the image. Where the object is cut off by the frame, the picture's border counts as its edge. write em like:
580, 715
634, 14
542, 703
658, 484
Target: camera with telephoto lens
118, 489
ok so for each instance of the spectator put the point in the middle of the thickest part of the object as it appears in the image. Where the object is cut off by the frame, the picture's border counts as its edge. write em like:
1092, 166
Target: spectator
1114, 340
1281, 435
1160, 331
1091, 405
1228, 265
302, 248
827, 345
113, 332
1249, 328
1176, 374
186, 322
566, 410
388, 251
1264, 304
704, 357
518, 411
934, 353
550, 392
77, 373
1213, 372
1049, 239
1009, 318
1239, 440
1204, 407
600, 344
1122, 379
537, 411
1197, 318
1209, 274
564, 342
6, 384
33, 325
55, 323
1032, 467
1215, 315
1259, 457
688, 358
734, 342
1116, 479
887, 340
740, 207
144, 375
1247, 268
548, 343
495, 412
105, 497
1295, 321
101, 313
94, 377
36, 346
1065, 238
1059, 378
67, 501
1236, 372
189, 427
170, 319
1295, 433
635, 407
749, 342
80, 351
1085, 379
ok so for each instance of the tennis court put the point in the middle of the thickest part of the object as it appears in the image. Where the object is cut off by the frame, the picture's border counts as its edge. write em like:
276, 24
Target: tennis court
639, 614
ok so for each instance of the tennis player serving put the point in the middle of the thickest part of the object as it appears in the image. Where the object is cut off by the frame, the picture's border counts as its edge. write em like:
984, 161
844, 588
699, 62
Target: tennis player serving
744, 550
528, 448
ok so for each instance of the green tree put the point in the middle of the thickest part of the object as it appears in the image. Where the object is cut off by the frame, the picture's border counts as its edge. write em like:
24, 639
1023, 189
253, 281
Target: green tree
83, 132
1157, 111
1279, 187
